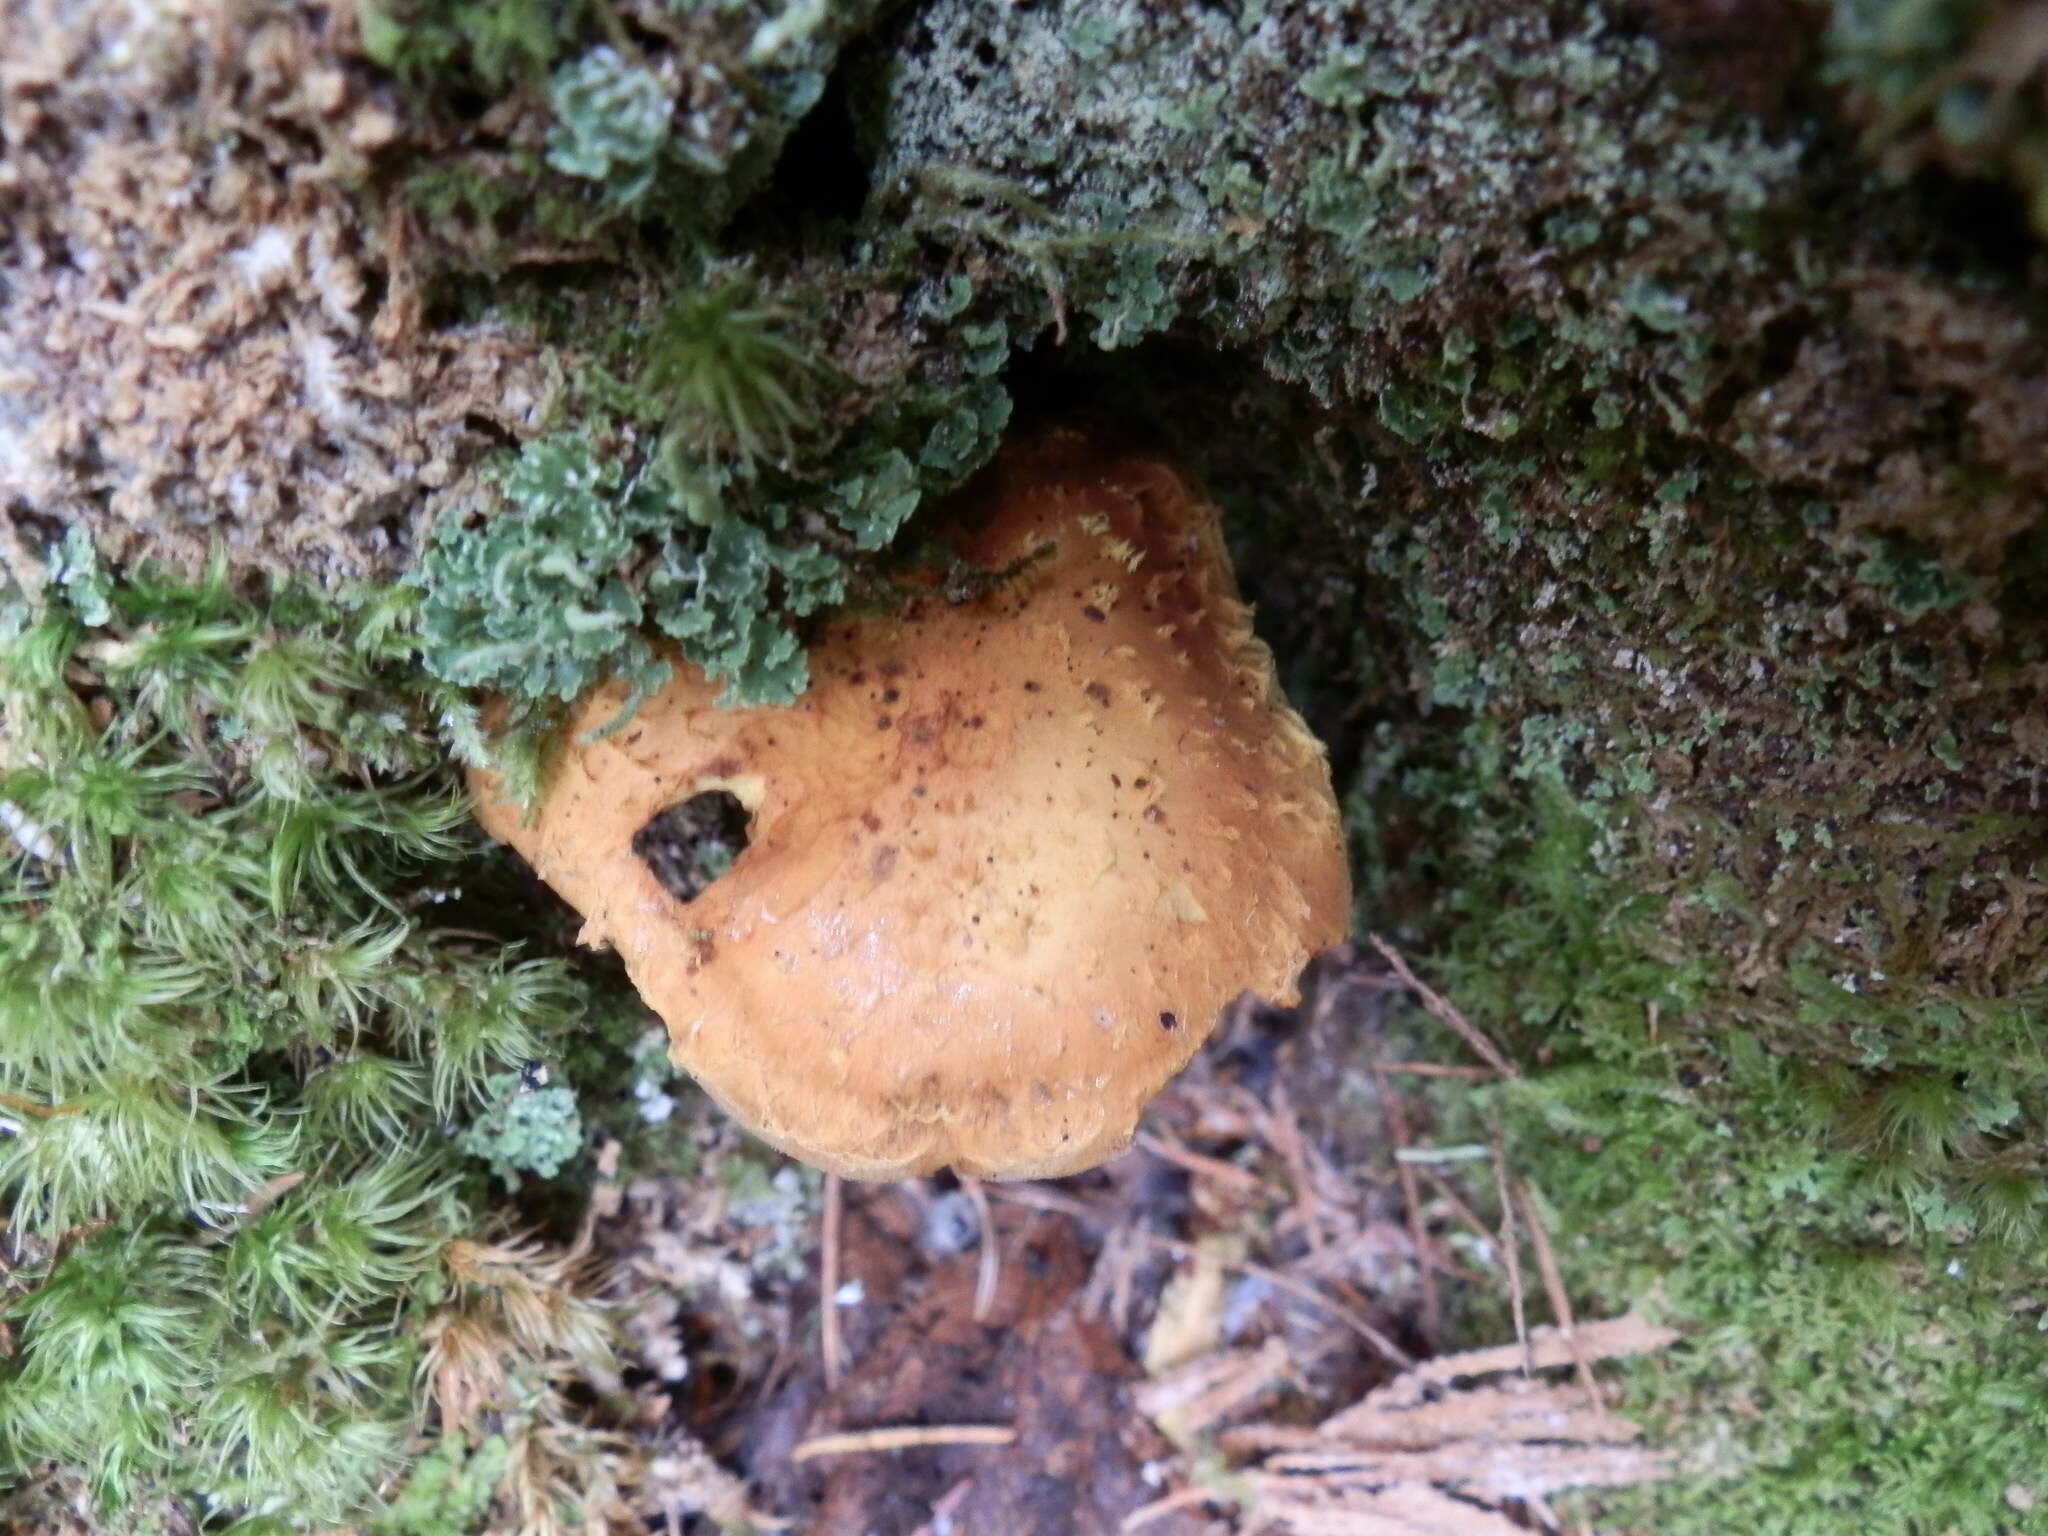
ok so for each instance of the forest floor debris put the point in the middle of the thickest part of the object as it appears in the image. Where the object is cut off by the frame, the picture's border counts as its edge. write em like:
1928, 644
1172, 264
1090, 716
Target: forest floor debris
1229, 1331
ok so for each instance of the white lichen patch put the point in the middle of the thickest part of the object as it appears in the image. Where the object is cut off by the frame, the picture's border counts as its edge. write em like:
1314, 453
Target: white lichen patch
202, 339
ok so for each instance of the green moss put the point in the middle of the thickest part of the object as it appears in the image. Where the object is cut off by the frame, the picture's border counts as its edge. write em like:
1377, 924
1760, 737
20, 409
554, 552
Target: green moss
494, 44
1786, 1077
1847, 1250
722, 376
229, 1050
448, 1491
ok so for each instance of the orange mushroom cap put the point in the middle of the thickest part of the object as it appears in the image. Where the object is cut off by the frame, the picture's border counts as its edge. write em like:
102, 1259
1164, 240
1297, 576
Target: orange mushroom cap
1007, 859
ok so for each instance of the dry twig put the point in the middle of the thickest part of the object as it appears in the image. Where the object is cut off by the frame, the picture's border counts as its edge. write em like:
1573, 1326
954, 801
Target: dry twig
1192, 1399
989, 1263
1459, 1208
1440, 1009
1424, 1456
1282, 1126
943, 1511
828, 1282
1173, 1152
1560, 1299
902, 1437
1159, 1509
1510, 1244
1411, 1198
1439, 1069
1615, 1338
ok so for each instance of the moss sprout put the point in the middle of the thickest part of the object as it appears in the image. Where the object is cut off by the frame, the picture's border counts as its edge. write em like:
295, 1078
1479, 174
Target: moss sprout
725, 376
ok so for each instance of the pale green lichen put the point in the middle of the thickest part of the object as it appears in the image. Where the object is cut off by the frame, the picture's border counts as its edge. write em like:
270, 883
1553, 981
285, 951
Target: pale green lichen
611, 123
525, 1127
556, 591
583, 559
562, 586
872, 506
75, 566
670, 120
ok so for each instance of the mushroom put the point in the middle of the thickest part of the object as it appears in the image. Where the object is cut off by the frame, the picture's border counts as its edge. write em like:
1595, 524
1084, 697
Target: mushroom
1006, 860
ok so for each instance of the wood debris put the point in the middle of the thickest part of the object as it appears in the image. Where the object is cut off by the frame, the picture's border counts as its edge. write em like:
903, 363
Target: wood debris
1420, 1455
1464, 1444
1191, 1400
1618, 1338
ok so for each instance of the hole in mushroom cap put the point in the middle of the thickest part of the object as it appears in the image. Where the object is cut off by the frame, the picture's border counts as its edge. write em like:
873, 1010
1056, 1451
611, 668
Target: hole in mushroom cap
690, 845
